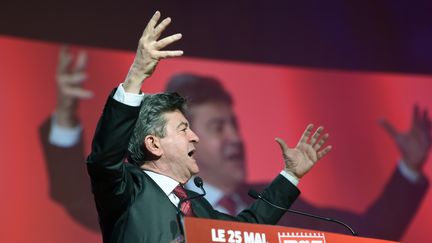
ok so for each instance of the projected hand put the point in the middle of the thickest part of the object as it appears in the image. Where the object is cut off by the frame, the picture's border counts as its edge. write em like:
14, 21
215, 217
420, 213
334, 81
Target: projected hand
149, 53
299, 160
414, 145
70, 77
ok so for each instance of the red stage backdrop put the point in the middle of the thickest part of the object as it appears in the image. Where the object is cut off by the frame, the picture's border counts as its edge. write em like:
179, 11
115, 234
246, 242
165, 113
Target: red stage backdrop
270, 101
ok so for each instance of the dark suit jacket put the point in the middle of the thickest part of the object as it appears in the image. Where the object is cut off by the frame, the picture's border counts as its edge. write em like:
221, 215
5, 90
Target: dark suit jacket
68, 179
132, 207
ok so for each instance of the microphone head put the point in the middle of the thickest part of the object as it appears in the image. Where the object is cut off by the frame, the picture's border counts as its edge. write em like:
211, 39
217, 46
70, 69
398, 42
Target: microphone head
254, 194
198, 182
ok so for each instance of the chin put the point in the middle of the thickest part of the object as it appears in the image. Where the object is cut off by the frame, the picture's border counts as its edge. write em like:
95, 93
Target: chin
194, 170
236, 167
238, 174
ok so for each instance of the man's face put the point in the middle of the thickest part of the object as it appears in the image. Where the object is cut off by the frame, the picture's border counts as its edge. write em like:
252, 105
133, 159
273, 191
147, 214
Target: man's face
220, 152
178, 146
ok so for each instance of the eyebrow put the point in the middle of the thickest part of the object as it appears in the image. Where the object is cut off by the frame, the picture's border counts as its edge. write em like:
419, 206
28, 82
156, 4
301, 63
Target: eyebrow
183, 124
215, 120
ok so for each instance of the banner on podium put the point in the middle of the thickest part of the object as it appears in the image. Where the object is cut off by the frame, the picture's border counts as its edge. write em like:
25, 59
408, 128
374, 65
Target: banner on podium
209, 230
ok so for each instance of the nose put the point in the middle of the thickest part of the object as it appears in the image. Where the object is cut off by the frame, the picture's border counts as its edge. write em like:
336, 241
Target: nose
232, 133
193, 137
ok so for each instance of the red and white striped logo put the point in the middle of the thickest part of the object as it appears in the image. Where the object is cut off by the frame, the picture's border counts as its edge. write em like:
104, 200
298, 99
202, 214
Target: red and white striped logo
300, 237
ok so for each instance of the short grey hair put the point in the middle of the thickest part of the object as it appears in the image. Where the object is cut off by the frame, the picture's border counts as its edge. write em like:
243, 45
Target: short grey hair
151, 121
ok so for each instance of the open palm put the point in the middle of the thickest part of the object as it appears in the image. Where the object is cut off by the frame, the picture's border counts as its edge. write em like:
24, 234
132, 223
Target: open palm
414, 144
299, 160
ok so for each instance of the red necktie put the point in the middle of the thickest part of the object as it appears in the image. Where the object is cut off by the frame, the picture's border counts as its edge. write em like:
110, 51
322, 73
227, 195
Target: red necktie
229, 204
186, 206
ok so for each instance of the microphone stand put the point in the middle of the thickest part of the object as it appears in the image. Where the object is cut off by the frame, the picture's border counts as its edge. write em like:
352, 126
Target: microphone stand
254, 194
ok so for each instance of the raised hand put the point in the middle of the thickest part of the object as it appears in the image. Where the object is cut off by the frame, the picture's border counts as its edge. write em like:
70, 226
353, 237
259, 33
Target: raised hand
149, 52
414, 145
70, 77
299, 160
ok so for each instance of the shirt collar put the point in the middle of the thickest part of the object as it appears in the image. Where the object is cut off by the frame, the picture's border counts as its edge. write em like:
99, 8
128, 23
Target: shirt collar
166, 183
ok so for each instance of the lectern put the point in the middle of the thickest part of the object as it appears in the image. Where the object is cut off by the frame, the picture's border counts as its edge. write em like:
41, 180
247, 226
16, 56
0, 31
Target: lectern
199, 230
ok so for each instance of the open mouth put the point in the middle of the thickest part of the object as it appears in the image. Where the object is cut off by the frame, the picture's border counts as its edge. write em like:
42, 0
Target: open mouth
237, 156
191, 153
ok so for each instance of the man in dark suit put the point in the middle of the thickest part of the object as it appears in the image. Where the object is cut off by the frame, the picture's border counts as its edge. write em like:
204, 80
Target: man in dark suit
137, 201
220, 155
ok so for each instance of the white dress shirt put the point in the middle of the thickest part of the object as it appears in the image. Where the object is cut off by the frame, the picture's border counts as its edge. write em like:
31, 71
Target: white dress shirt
167, 185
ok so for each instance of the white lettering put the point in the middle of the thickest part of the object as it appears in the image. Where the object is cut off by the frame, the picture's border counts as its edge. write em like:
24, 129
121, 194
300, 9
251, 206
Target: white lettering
248, 237
234, 236
252, 237
262, 238
218, 236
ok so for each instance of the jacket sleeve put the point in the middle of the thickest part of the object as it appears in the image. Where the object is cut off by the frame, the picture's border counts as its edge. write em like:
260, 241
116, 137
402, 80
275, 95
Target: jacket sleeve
111, 183
280, 192
68, 180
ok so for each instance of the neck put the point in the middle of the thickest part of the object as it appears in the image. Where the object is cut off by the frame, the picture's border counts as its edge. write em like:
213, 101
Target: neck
162, 169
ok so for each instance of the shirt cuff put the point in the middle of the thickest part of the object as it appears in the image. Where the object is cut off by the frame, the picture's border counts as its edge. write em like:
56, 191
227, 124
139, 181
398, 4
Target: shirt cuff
410, 174
64, 137
127, 98
294, 180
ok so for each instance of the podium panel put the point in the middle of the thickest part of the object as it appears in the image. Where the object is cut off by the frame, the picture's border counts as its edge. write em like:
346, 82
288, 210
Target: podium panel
208, 230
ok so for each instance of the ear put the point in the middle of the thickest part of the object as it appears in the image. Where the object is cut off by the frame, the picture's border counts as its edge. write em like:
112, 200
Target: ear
152, 144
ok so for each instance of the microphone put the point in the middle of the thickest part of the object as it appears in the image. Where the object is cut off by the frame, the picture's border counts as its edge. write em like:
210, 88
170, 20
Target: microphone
254, 194
198, 183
